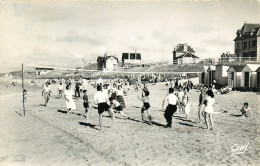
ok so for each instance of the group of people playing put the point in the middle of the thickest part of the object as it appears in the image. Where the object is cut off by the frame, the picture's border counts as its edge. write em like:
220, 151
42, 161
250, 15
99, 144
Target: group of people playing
111, 99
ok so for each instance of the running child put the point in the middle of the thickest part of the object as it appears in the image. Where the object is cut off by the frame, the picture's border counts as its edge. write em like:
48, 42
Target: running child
117, 106
85, 103
60, 90
119, 96
46, 92
171, 108
146, 106
101, 100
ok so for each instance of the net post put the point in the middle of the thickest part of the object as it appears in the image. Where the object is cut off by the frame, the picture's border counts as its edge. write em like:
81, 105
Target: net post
23, 90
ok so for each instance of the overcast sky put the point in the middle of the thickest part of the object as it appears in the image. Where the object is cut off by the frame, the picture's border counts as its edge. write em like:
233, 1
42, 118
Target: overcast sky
60, 33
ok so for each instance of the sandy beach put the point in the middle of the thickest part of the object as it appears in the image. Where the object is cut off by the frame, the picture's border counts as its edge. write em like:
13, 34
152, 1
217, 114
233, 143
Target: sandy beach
49, 136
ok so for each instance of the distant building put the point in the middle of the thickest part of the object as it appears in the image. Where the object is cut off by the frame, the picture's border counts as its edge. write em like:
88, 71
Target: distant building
184, 54
228, 57
42, 70
131, 58
247, 42
107, 62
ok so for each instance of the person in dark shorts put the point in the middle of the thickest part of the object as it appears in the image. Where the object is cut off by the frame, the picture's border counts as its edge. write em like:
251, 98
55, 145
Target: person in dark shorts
101, 100
117, 106
146, 106
85, 103
171, 108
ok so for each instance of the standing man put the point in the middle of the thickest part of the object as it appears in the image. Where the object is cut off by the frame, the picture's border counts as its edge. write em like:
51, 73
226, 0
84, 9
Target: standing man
171, 108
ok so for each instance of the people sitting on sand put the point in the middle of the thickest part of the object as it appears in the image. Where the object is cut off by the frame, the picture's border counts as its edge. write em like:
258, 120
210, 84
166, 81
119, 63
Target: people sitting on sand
225, 90
246, 110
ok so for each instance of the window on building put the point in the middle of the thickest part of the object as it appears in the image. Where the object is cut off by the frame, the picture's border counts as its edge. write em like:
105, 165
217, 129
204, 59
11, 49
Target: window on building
253, 54
254, 43
245, 45
132, 56
237, 45
249, 44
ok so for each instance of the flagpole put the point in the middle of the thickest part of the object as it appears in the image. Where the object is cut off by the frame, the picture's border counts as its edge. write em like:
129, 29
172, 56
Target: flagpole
23, 91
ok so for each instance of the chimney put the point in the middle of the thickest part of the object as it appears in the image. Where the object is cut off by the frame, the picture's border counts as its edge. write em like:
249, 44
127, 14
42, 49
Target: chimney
174, 54
185, 47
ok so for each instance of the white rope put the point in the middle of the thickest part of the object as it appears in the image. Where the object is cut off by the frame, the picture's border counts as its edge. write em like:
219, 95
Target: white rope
114, 72
62, 68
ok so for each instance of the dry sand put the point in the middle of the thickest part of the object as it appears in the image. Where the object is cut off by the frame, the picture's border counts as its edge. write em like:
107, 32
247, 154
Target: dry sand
48, 136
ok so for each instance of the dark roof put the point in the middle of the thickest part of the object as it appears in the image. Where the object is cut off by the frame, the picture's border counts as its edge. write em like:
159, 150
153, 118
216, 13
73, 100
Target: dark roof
238, 68
187, 54
247, 31
106, 58
180, 48
248, 27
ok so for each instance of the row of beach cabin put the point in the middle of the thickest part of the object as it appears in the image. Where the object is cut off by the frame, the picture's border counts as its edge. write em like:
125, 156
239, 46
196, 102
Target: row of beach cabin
236, 76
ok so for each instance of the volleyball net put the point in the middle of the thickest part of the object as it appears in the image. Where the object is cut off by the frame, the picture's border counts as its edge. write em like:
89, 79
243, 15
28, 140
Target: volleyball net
34, 78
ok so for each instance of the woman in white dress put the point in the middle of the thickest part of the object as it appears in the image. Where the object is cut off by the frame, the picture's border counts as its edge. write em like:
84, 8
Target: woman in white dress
209, 109
69, 99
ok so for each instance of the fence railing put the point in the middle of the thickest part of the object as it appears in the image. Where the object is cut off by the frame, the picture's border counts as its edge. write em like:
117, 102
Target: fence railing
239, 59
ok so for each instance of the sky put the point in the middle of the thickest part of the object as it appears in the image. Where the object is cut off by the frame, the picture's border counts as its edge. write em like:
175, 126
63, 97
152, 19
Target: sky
61, 33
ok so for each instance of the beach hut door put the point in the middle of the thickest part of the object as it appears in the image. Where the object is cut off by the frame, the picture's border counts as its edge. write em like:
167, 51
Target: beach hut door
246, 79
258, 79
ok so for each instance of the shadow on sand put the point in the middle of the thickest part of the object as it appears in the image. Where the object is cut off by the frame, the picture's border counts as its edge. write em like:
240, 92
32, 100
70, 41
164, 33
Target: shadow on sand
236, 115
61, 111
186, 124
18, 113
89, 125
139, 121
